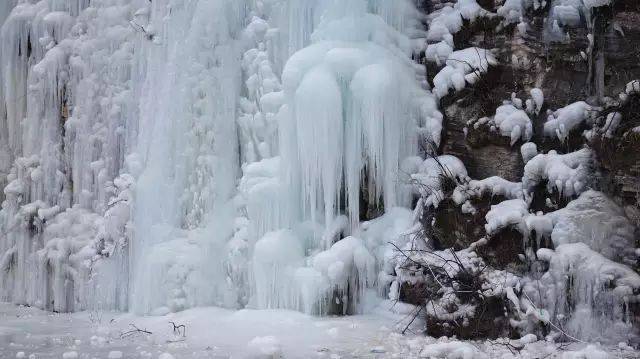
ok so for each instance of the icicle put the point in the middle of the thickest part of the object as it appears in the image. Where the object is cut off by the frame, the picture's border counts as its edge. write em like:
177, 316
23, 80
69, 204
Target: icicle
319, 123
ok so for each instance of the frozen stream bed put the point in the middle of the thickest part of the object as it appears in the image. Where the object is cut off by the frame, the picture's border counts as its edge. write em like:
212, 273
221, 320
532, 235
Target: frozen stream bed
219, 333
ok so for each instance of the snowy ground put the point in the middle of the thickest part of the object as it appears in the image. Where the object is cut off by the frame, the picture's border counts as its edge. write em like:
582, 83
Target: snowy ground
219, 333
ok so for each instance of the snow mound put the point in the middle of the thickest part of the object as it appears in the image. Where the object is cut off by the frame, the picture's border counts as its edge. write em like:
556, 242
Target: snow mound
268, 347
276, 256
592, 219
431, 169
445, 22
438, 52
588, 352
633, 87
347, 265
284, 280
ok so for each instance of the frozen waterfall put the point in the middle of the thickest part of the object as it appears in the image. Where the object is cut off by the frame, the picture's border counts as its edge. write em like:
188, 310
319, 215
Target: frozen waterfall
166, 155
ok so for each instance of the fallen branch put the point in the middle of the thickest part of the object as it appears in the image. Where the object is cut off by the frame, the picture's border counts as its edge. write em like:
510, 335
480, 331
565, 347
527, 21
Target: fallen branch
134, 331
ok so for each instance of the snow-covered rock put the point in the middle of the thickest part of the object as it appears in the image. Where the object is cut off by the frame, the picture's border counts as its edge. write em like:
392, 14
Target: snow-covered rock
568, 174
564, 120
510, 121
507, 213
463, 67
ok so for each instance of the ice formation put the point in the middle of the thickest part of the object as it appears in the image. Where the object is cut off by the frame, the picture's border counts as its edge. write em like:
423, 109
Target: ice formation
583, 273
537, 98
497, 186
597, 221
369, 112
513, 10
528, 151
511, 122
463, 67
446, 22
506, 213
51, 55
149, 146
564, 120
566, 174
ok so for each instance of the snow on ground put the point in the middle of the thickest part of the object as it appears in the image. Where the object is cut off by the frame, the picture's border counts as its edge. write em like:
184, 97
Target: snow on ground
220, 333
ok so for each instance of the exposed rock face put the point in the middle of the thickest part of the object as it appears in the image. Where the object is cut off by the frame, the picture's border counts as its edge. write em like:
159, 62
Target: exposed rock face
619, 156
483, 157
591, 60
531, 60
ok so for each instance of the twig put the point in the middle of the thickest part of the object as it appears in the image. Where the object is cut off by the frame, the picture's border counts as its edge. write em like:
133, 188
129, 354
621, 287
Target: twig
412, 319
176, 329
134, 331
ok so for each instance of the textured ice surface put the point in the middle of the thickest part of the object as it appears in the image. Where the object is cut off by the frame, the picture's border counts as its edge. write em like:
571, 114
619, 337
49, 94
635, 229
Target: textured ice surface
565, 119
567, 174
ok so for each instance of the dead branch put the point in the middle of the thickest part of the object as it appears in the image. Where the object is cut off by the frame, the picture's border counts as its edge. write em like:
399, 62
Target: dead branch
176, 329
133, 332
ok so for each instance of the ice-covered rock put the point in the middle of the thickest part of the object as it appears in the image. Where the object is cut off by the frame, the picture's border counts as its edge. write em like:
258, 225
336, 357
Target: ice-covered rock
510, 121
567, 174
598, 290
594, 219
507, 213
564, 120
463, 67
528, 151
